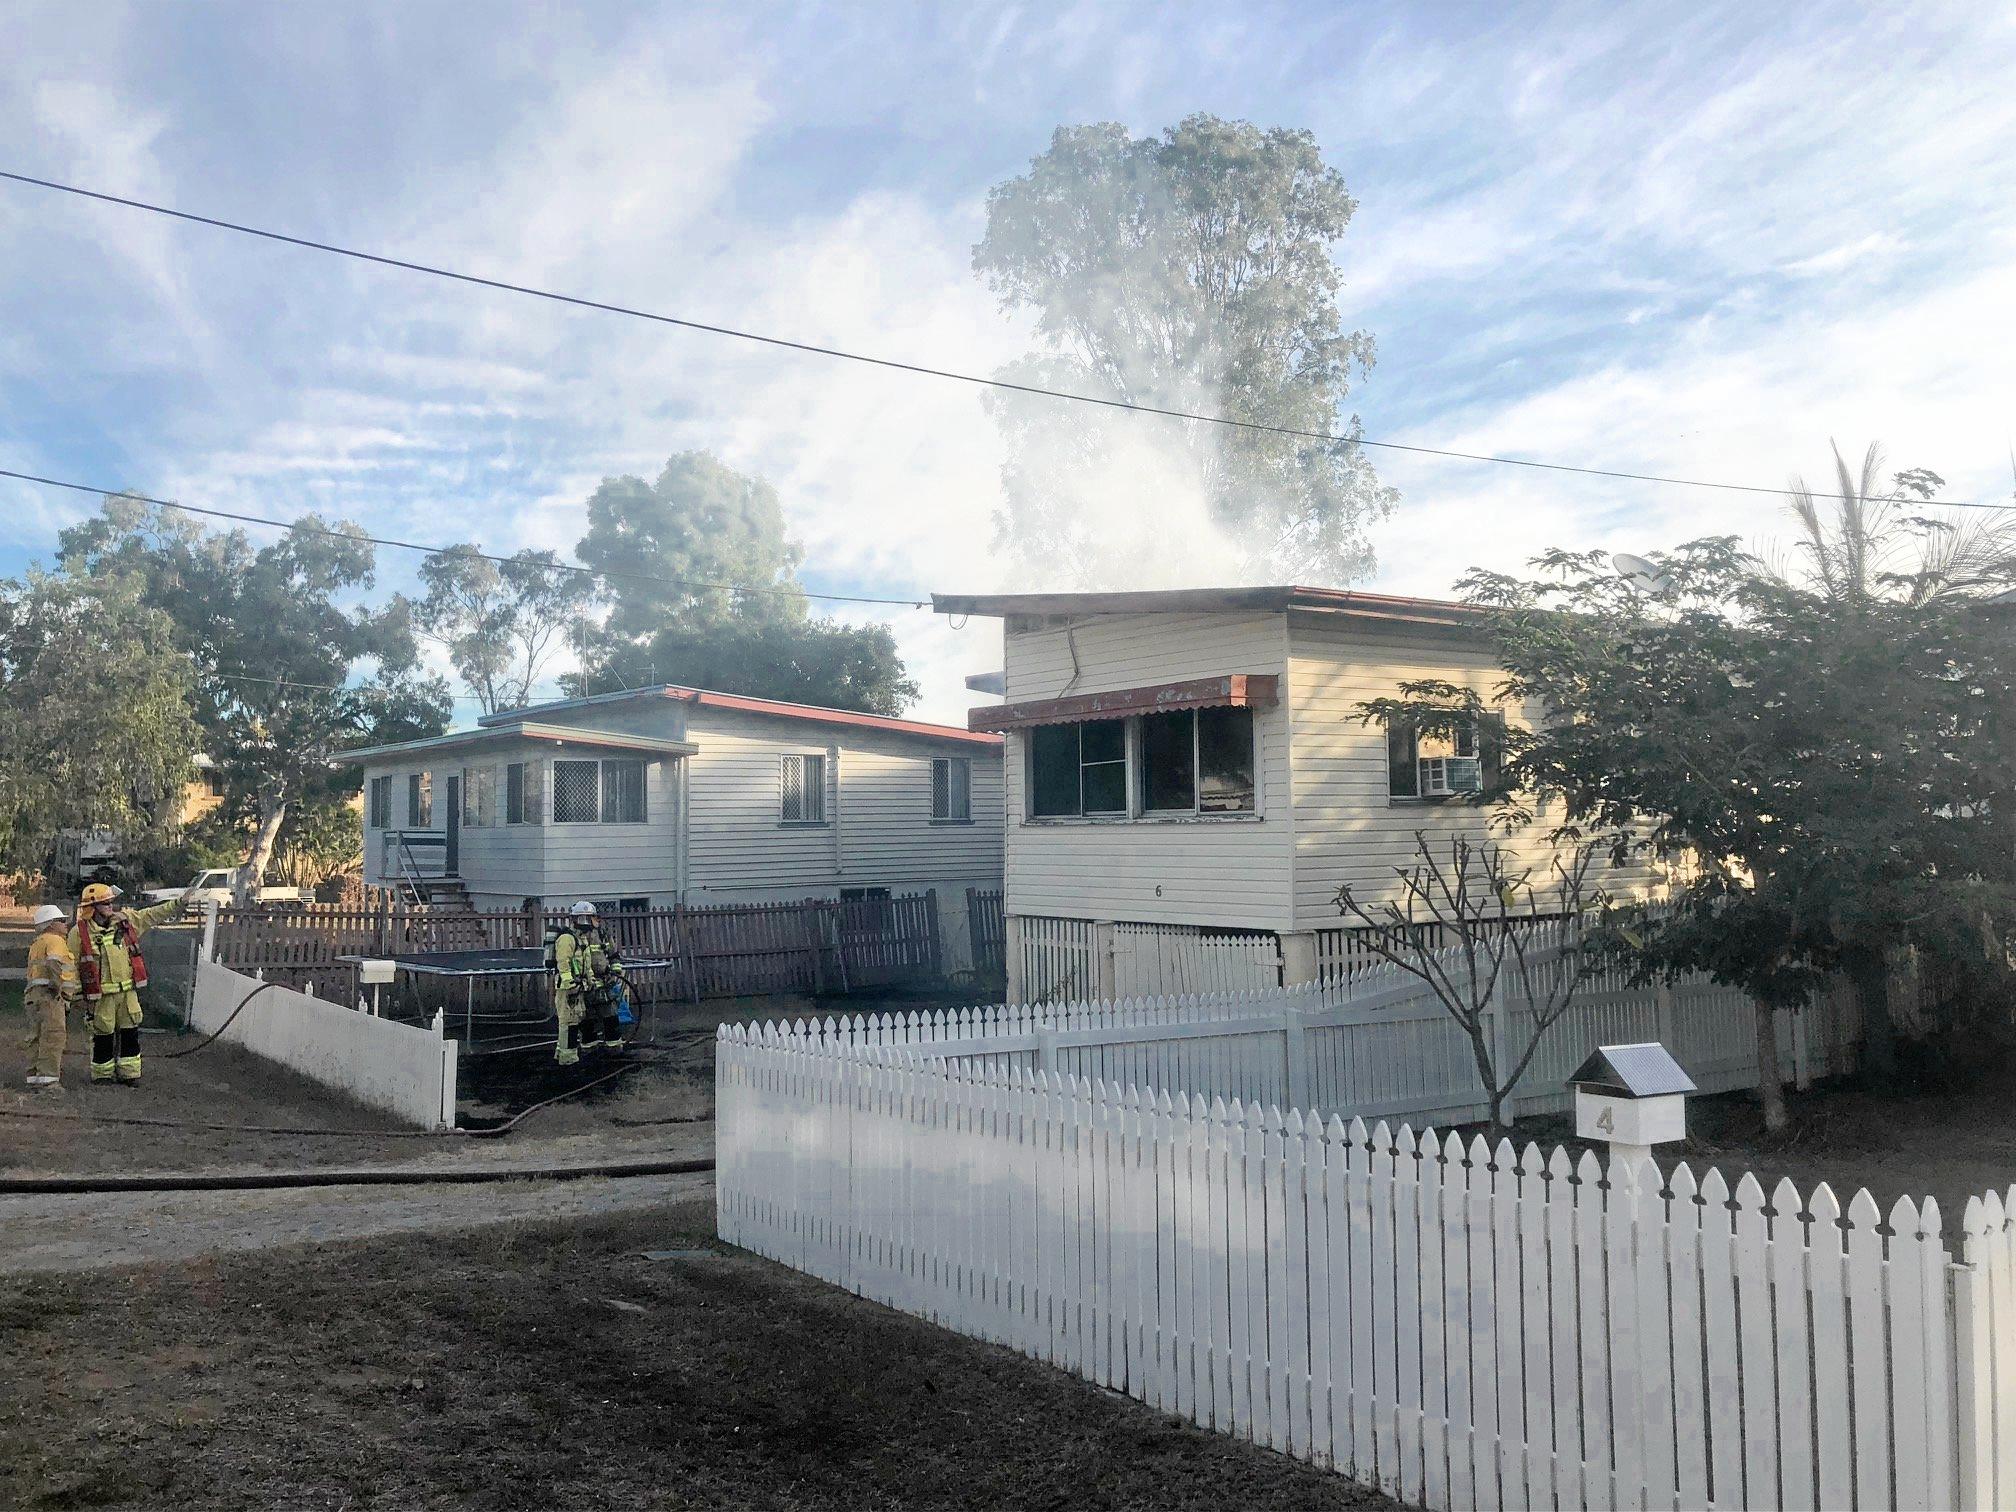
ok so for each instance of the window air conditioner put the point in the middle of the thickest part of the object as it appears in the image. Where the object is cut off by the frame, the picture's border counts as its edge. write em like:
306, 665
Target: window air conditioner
1445, 776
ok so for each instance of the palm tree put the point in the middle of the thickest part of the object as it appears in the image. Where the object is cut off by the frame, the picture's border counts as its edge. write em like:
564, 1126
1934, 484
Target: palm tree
1873, 543
1876, 546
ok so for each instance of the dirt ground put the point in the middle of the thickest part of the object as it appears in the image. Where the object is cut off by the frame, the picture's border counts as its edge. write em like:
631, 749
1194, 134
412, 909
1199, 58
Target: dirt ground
1951, 1145
553, 1366
72, 1132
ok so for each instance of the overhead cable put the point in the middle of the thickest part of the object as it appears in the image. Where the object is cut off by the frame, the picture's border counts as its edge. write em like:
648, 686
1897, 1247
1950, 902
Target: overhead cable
980, 380
348, 535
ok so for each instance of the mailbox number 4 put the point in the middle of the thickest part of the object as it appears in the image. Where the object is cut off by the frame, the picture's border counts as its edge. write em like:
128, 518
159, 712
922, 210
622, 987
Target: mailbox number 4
1606, 1121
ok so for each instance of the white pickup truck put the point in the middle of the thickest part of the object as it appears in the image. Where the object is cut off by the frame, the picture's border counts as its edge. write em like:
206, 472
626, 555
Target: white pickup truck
214, 886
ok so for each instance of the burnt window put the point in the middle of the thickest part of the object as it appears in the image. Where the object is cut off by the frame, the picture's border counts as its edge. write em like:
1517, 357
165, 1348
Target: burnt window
1198, 761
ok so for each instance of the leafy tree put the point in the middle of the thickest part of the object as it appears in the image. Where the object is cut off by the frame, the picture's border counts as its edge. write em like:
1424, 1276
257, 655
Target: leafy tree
709, 528
275, 645
500, 622
1193, 271
1828, 776
96, 730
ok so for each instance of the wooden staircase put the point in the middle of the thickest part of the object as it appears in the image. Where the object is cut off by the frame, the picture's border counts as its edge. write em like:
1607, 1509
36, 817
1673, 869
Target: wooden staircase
447, 892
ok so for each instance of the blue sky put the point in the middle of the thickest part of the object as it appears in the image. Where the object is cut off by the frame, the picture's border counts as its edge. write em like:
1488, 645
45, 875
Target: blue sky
1697, 239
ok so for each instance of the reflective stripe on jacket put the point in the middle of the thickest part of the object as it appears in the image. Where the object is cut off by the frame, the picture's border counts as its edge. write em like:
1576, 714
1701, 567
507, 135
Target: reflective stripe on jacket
52, 967
115, 967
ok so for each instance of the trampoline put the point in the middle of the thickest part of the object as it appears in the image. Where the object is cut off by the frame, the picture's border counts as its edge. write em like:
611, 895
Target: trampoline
475, 966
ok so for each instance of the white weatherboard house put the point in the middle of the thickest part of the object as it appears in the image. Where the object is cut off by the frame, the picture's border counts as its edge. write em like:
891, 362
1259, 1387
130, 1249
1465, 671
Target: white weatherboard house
1188, 780
674, 795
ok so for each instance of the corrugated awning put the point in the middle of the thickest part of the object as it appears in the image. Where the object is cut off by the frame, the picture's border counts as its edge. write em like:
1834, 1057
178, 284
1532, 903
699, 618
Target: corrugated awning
1241, 690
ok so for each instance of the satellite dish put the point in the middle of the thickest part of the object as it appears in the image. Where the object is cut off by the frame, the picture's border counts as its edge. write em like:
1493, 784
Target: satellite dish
1640, 573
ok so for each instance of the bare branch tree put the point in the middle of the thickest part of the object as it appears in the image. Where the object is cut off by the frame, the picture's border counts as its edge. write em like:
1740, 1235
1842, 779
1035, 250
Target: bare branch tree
1482, 929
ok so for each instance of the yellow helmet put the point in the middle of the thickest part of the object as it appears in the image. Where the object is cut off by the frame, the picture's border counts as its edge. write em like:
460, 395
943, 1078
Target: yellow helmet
100, 892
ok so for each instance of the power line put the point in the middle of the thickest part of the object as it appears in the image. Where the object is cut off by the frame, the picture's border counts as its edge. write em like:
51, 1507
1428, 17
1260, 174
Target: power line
351, 688
921, 369
344, 535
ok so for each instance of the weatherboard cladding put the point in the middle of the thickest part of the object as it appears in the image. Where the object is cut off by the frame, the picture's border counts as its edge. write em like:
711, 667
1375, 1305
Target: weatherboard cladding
879, 830
1207, 870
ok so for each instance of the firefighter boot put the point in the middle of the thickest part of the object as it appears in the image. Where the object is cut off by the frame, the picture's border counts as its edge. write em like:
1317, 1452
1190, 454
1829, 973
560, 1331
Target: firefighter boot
127, 1067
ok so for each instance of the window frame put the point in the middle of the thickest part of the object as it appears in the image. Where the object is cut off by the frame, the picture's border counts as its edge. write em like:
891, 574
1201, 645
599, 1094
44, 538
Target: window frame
479, 797
643, 770
1469, 744
595, 800
420, 800
1133, 745
807, 790
960, 813
515, 774
378, 805
600, 804
1196, 809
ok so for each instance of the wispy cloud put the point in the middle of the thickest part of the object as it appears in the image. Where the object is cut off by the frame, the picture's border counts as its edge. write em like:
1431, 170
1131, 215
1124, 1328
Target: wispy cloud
1704, 248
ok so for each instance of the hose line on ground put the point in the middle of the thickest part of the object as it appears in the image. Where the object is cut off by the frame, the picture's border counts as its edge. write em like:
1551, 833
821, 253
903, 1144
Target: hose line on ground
264, 1181
226, 1128
211, 1038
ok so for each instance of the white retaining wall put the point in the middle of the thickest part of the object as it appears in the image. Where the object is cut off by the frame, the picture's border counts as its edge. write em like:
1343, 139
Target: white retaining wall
406, 1070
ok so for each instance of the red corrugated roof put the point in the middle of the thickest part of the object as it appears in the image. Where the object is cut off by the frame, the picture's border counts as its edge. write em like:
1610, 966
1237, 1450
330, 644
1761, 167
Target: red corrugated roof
812, 712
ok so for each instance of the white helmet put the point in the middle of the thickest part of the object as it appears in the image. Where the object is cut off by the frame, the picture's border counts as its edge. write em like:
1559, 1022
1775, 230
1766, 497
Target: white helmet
47, 914
583, 910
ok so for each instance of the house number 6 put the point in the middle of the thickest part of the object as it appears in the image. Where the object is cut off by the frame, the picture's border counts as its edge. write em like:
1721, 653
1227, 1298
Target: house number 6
1158, 889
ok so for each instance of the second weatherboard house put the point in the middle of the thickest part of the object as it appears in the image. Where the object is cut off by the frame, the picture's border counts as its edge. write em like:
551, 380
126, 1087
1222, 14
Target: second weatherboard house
1188, 780
674, 795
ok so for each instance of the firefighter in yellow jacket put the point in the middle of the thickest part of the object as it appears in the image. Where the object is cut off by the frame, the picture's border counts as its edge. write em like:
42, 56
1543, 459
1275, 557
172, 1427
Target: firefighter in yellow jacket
111, 971
584, 965
52, 988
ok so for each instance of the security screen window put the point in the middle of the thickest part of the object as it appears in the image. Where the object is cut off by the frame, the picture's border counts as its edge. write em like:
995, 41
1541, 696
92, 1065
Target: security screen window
952, 789
803, 790
1078, 769
576, 799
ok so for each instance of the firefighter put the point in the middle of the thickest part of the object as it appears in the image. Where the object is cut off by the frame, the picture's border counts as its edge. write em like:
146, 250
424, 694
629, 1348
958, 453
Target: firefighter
111, 971
52, 988
584, 965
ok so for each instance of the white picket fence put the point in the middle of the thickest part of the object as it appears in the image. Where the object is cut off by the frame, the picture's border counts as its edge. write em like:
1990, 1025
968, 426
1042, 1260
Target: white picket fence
1376, 1044
1165, 960
1457, 1327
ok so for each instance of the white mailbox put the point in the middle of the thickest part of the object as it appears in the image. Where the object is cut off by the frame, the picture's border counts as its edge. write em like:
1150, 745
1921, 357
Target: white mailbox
1634, 1096
377, 973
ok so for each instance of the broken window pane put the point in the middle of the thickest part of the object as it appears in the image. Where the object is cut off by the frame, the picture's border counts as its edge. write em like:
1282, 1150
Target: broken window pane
1169, 762
1225, 761
1053, 771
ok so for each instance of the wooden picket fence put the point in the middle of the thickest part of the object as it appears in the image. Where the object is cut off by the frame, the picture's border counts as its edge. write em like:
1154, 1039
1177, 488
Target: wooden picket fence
1167, 959
816, 945
987, 929
1457, 1325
